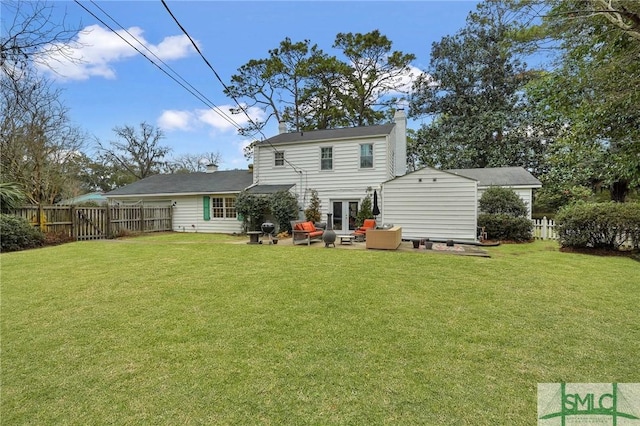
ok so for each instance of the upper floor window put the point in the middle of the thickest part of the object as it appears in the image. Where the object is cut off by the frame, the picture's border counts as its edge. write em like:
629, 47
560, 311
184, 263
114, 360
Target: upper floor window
326, 158
279, 158
366, 156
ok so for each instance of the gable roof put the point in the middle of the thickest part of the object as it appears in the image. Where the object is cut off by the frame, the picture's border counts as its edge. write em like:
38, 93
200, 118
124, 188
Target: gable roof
329, 134
500, 176
225, 181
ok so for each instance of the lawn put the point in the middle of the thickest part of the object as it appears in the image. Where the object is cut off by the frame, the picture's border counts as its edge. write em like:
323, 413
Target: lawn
192, 329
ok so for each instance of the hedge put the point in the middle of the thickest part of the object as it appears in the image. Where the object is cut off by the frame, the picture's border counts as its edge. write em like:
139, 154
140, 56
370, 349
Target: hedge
506, 227
17, 234
599, 225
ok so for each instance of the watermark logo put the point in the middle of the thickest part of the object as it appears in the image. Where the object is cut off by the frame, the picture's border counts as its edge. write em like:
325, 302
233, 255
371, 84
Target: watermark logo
616, 404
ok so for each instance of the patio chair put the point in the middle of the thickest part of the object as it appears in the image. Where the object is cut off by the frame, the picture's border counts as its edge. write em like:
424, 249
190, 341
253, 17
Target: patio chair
361, 232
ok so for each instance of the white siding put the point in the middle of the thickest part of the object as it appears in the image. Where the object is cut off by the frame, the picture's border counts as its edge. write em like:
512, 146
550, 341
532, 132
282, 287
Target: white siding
432, 204
188, 216
526, 194
345, 181
188, 213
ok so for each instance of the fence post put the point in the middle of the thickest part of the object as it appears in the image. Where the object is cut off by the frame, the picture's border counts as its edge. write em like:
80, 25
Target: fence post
141, 218
41, 219
108, 220
544, 227
74, 222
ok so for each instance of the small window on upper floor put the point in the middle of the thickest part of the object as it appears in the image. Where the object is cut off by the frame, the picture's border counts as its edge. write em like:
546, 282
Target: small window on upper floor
326, 158
279, 158
366, 156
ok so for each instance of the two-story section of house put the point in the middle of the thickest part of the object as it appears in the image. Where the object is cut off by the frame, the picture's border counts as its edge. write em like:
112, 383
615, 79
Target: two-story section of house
342, 165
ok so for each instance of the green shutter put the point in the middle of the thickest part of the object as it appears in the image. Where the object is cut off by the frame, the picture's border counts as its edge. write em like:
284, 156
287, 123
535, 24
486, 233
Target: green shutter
206, 208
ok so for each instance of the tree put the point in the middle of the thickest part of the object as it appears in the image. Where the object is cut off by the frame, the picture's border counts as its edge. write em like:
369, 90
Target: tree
308, 89
592, 92
275, 84
38, 143
30, 36
190, 163
474, 94
139, 152
376, 72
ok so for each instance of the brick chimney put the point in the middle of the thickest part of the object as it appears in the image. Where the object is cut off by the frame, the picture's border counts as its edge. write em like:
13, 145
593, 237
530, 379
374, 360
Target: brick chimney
282, 127
400, 165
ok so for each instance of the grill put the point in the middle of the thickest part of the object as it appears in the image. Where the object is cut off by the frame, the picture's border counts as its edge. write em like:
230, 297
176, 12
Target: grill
267, 229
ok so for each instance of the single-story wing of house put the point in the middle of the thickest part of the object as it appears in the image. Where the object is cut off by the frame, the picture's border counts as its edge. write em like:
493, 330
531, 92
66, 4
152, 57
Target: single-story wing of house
202, 202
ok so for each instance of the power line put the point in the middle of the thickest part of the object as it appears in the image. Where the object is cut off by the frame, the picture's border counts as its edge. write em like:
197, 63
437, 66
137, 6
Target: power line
191, 89
224, 85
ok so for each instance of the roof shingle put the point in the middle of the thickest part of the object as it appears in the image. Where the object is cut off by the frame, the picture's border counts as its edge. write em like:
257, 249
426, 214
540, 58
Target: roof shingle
190, 183
499, 176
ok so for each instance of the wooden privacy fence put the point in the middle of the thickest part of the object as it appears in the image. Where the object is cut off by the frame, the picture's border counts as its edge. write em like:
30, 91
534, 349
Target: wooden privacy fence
92, 223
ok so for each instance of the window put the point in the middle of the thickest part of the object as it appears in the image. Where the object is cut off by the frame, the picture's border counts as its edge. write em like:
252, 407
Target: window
366, 156
217, 207
326, 158
223, 207
230, 207
279, 158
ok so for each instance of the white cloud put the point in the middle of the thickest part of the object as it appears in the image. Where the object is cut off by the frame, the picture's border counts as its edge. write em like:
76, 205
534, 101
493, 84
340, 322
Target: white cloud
176, 120
96, 49
216, 120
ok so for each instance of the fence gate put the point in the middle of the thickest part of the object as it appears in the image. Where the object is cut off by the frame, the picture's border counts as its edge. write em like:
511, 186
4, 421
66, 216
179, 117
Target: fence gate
90, 223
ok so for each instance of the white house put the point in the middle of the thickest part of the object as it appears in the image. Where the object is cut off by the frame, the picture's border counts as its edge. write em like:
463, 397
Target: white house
343, 166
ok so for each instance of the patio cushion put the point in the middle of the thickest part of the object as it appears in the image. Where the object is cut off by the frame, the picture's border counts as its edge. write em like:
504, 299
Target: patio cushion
308, 226
298, 227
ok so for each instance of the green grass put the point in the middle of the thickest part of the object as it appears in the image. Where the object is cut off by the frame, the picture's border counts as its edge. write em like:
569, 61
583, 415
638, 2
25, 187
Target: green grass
188, 329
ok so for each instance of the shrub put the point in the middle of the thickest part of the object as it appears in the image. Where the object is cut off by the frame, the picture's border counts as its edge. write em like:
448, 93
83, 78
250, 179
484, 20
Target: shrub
365, 211
11, 196
498, 200
284, 208
253, 209
504, 215
18, 234
56, 238
506, 227
312, 212
599, 225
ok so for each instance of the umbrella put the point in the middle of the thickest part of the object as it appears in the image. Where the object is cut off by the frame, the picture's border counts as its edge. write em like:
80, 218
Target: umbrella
376, 209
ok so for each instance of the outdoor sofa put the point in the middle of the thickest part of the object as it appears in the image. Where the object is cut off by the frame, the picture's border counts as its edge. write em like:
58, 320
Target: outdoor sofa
305, 232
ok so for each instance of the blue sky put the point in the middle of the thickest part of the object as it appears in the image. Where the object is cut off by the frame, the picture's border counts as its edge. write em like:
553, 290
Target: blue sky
116, 86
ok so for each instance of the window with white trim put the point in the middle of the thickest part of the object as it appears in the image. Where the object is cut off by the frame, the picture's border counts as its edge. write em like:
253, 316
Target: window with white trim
366, 156
217, 207
279, 158
223, 207
326, 158
230, 207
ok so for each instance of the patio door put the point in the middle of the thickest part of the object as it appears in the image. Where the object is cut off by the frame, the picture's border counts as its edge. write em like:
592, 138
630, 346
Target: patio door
344, 214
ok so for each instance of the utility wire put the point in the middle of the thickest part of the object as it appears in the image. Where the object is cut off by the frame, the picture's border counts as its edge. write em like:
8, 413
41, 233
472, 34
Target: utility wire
296, 169
197, 94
